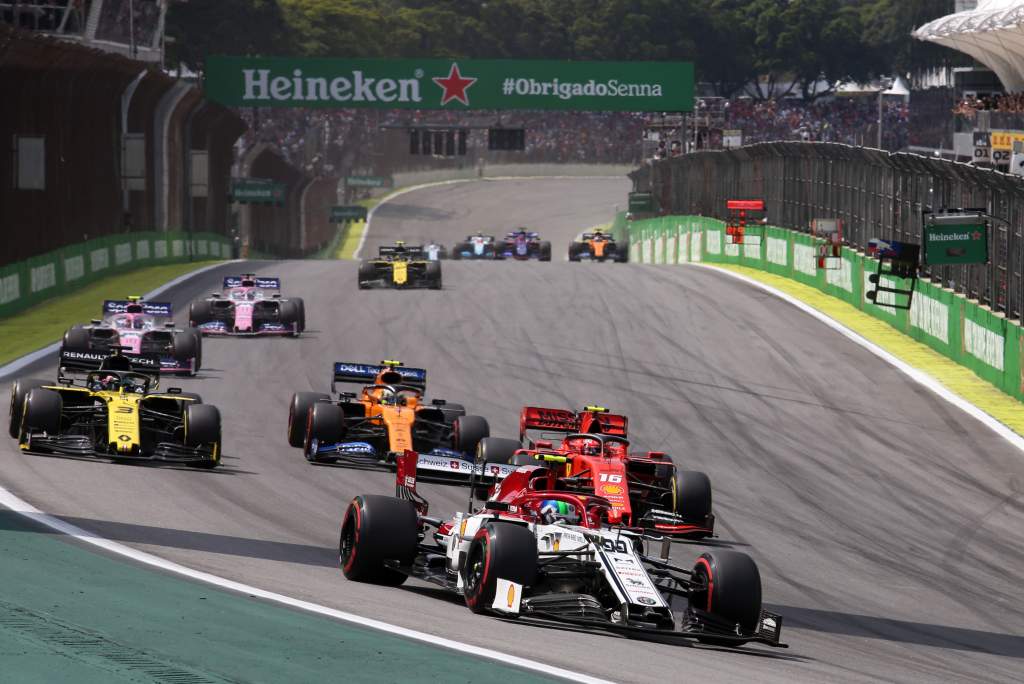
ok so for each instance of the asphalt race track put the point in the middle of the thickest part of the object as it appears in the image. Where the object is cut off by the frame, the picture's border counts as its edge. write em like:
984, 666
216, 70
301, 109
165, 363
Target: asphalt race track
888, 525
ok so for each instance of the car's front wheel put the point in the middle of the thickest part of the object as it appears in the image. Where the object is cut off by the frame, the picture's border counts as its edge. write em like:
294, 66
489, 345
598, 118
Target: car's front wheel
499, 550
377, 529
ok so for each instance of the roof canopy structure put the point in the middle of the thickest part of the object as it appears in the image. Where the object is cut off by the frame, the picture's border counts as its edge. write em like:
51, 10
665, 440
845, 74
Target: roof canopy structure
993, 34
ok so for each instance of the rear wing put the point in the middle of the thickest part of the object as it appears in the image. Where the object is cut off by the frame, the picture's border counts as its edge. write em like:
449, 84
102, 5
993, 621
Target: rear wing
253, 281
76, 361
408, 251
363, 373
561, 420
530, 234
119, 306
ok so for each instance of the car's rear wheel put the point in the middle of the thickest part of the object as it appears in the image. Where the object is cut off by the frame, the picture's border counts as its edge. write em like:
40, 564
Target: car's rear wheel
199, 348
19, 390
199, 312
77, 339
731, 592
496, 450
298, 414
467, 431
499, 550
376, 529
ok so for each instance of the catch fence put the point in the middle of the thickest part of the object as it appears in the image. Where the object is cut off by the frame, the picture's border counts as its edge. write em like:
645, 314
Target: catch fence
876, 194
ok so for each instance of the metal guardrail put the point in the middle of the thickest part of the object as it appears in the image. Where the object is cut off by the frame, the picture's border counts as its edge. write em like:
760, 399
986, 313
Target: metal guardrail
876, 194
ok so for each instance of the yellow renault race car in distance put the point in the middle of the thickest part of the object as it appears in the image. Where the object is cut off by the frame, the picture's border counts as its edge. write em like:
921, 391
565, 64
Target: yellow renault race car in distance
116, 412
400, 266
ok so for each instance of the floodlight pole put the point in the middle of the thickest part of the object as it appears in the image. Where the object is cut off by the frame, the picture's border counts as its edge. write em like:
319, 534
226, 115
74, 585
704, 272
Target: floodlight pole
880, 96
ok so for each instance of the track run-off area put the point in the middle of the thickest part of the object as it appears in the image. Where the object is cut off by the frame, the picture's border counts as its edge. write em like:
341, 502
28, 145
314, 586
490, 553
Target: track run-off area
888, 525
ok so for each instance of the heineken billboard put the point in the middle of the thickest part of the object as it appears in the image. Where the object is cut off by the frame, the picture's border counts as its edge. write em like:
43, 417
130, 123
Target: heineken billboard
956, 239
348, 213
257, 191
450, 84
369, 181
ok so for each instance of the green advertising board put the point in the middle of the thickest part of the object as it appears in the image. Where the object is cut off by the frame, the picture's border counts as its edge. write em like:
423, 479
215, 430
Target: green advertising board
641, 203
349, 213
257, 191
368, 182
956, 239
449, 84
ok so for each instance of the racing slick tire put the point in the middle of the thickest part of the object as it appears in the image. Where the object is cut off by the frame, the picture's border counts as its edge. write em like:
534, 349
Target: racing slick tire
199, 348
496, 450
325, 423
367, 273
298, 415
621, 254
77, 338
202, 424
288, 314
467, 431
202, 427
574, 251
433, 275
183, 346
691, 494
377, 529
451, 411
42, 411
301, 306
499, 549
732, 594
19, 390
199, 312
457, 251
544, 253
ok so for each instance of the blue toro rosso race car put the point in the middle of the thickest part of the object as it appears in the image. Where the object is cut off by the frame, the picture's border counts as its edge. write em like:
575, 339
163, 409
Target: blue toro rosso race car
522, 244
388, 417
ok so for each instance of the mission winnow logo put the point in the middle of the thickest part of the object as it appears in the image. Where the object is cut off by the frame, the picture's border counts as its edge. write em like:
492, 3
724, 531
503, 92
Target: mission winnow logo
261, 85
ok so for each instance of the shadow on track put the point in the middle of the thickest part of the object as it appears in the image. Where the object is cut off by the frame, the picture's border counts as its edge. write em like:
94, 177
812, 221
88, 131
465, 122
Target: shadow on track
901, 631
129, 533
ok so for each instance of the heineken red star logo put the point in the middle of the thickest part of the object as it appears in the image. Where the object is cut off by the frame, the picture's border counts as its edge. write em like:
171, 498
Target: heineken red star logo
454, 86
976, 235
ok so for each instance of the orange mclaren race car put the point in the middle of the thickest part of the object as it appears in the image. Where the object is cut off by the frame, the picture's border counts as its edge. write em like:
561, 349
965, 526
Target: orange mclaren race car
646, 490
598, 246
387, 417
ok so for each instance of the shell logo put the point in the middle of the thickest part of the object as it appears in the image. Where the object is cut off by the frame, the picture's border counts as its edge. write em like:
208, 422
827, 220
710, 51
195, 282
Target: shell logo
511, 597
611, 489
555, 543
462, 528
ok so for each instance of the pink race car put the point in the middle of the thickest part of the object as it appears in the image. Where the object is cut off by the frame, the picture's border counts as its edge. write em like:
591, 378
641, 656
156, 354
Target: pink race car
139, 327
248, 305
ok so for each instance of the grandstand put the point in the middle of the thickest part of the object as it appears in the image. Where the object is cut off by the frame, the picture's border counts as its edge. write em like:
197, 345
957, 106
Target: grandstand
132, 28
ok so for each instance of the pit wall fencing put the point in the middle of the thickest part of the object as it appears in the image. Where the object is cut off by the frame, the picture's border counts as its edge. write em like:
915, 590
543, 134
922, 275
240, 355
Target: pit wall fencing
960, 329
26, 283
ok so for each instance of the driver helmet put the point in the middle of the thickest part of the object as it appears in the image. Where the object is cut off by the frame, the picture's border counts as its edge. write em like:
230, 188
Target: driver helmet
554, 510
104, 383
590, 447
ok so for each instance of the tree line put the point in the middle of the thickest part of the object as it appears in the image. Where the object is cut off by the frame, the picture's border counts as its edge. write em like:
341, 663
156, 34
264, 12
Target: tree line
764, 48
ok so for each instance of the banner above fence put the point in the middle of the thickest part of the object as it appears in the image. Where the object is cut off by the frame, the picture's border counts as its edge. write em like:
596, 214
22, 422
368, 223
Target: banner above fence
449, 84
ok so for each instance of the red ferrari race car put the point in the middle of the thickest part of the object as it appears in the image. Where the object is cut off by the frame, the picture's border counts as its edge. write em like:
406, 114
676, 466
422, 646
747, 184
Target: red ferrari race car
645, 489
538, 552
139, 327
249, 305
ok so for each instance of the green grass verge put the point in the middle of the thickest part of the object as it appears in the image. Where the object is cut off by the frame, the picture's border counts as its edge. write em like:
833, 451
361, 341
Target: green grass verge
353, 230
27, 331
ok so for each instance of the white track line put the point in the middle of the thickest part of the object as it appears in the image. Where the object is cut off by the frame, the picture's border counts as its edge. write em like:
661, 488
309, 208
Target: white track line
918, 376
387, 198
29, 359
24, 508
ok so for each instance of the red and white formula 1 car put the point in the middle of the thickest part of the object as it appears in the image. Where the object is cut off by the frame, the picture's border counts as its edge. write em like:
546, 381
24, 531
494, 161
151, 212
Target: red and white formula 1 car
534, 551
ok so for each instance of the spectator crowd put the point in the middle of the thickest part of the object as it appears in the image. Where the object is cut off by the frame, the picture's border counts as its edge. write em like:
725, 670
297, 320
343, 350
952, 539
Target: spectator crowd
1009, 103
321, 140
